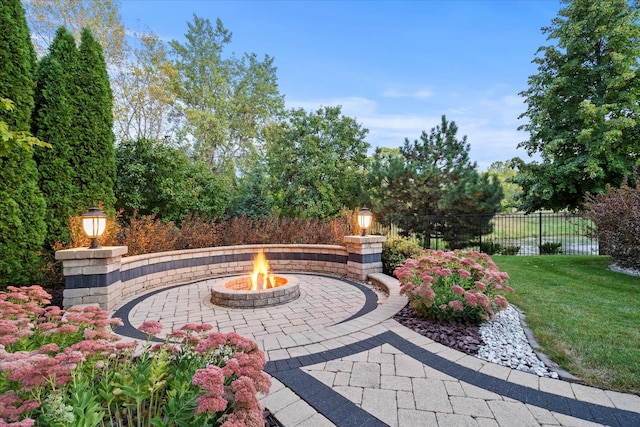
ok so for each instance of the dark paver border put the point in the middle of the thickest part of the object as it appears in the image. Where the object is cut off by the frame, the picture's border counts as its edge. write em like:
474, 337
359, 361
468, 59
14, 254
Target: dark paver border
289, 373
128, 330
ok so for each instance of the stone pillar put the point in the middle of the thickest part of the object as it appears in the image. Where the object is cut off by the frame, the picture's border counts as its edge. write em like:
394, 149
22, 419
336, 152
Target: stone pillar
92, 276
365, 256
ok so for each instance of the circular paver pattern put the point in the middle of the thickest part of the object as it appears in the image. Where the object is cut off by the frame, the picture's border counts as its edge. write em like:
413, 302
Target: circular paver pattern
323, 301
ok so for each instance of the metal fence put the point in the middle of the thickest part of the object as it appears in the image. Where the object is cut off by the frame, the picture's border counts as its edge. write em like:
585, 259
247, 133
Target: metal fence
511, 234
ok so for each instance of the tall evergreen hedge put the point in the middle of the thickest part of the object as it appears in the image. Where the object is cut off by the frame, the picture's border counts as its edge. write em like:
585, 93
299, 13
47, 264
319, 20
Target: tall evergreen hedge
22, 206
51, 122
93, 156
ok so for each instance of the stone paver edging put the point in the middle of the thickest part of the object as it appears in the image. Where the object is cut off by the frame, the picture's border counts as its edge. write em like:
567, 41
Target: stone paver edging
368, 370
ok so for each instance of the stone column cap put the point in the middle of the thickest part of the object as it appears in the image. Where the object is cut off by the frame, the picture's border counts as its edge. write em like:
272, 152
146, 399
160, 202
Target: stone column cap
365, 239
85, 253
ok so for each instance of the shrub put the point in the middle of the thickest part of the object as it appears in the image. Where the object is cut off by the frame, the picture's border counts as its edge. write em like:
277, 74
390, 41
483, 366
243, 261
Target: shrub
616, 214
550, 248
453, 286
67, 369
395, 252
510, 250
490, 248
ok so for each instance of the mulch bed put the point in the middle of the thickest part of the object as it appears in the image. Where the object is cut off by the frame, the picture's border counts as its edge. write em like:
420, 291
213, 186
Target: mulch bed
461, 336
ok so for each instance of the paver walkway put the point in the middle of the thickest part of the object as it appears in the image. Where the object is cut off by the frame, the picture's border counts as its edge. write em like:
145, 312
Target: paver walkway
337, 357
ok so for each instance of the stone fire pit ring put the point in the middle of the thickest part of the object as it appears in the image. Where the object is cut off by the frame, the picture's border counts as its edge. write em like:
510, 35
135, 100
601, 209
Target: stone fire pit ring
223, 293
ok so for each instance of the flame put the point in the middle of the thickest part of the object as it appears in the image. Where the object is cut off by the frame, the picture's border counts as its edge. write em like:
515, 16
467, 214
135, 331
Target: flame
260, 277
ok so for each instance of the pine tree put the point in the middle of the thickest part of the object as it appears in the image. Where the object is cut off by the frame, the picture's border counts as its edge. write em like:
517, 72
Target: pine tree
51, 121
22, 226
430, 186
93, 157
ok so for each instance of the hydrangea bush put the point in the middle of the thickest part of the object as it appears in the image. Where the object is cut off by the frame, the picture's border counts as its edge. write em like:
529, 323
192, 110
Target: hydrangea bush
68, 369
464, 286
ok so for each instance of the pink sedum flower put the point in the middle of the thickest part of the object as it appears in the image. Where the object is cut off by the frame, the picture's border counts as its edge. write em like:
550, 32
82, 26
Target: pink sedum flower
458, 290
151, 327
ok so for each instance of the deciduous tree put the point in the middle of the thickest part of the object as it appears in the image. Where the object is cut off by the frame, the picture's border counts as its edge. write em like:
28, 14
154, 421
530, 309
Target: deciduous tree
154, 177
223, 102
583, 105
102, 17
143, 97
316, 163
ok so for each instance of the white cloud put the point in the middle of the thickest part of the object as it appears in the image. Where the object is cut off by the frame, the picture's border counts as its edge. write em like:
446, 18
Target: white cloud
353, 106
489, 118
419, 94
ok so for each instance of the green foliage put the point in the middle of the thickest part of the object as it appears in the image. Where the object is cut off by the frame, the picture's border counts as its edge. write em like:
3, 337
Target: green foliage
396, 250
510, 250
583, 109
550, 248
252, 196
616, 214
93, 149
155, 178
504, 173
51, 121
490, 248
316, 163
223, 102
433, 177
22, 228
72, 372
460, 286
10, 139
17, 64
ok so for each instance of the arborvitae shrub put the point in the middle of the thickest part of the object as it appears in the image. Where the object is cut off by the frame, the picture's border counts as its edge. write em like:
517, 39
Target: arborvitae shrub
616, 214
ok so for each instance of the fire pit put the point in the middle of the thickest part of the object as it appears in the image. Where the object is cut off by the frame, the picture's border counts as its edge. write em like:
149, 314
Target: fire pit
260, 289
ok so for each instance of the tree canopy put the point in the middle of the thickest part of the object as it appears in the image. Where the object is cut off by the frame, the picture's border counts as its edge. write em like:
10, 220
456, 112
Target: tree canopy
223, 102
155, 178
45, 17
316, 163
583, 105
433, 177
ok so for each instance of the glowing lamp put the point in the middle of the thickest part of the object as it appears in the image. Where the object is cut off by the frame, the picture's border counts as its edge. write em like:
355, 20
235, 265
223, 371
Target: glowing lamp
364, 219
94, 223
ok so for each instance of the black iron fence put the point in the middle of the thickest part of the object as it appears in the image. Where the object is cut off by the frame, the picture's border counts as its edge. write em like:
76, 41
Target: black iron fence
509, 234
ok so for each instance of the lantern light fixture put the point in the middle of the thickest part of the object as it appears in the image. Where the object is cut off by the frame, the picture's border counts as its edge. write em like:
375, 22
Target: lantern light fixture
364, 219
94, 223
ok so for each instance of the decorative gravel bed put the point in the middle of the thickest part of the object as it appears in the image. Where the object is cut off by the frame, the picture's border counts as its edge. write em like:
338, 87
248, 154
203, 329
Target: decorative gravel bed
502, 340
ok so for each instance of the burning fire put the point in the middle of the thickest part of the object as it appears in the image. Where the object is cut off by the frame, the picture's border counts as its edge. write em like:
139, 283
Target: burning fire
261, 278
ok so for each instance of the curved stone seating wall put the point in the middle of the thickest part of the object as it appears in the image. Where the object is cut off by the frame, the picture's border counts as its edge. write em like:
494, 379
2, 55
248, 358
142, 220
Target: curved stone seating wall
141, 273
104, 277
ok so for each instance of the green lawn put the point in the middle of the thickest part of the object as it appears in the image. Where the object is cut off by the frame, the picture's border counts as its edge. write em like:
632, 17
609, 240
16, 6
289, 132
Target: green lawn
585, 317
518, 226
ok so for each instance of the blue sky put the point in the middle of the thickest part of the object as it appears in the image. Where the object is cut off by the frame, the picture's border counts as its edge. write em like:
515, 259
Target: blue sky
394, 66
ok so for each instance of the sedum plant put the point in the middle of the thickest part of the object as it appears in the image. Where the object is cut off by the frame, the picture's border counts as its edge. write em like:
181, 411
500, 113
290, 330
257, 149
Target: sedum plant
464, 286
69, 369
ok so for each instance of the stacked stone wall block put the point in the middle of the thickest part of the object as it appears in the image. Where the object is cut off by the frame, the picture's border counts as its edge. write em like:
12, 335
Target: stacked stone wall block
145, 272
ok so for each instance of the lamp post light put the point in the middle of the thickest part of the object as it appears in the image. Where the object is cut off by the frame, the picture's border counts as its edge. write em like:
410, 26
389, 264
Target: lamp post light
94, 223
364, 219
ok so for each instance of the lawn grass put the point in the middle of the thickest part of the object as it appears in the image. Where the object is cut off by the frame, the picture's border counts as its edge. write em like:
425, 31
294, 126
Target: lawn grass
518, 226
585, 317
